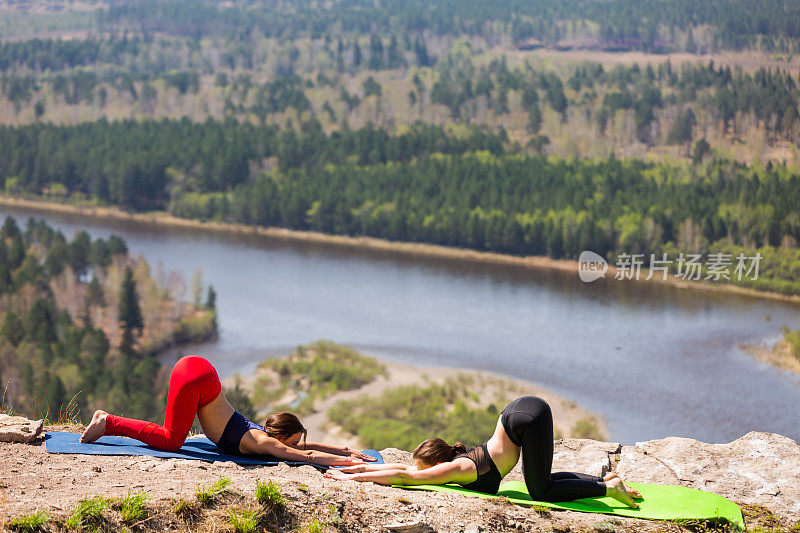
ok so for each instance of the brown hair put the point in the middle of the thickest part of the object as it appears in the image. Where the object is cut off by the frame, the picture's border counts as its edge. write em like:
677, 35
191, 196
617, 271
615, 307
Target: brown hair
283, 425
435, 450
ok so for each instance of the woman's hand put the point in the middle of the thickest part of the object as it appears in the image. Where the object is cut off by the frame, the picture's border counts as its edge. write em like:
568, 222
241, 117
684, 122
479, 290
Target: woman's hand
345, 461
338, 475
355, 454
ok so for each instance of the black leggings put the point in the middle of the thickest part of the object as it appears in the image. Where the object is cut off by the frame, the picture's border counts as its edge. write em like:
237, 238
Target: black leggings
529, 424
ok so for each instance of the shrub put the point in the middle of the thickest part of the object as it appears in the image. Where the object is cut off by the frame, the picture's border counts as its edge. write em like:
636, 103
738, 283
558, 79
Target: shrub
244, 520
132, 507
197, 327
315, 526
269, 495
34, 521
585, 428
404, 416
316, 371
88, 512
793, 338
185, 509
207, 496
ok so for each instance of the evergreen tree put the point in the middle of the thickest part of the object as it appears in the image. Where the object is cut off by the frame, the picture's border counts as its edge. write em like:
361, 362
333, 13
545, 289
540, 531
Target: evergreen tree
16, 252
117, 246
130, 314
700, 149
40, 323
356, 54
211, 299
94, 293
13, 329
10, 229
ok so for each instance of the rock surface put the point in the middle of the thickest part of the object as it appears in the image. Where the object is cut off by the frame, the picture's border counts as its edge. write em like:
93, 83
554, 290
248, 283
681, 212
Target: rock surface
19, 429
584, 455
761, 468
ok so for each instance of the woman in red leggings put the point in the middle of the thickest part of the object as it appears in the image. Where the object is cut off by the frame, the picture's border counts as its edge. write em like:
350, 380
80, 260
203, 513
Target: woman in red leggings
194, 389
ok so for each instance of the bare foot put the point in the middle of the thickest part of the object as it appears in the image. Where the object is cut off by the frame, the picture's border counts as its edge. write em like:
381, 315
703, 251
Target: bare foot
616, 489
633, 492
96, 427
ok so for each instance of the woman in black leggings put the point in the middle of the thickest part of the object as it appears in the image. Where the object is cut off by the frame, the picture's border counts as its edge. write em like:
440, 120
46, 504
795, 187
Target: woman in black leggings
525, 426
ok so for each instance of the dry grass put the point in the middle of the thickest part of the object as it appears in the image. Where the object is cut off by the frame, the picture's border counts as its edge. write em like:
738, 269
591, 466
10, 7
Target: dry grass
3, 511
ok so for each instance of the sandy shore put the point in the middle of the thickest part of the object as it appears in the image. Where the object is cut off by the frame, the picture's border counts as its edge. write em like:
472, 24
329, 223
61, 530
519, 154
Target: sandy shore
489, 388
372, 243
779, 355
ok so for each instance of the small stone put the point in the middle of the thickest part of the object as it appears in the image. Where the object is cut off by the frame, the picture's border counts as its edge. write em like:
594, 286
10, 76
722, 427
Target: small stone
19, 429
414, 527
97, 469
165, 466
472, 528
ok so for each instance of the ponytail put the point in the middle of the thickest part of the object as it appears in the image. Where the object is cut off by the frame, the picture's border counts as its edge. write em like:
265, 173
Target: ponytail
458, 448
283, 425
436, 450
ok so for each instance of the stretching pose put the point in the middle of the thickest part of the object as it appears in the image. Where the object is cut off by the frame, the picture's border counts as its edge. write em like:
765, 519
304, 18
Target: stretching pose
194, 389
525, 425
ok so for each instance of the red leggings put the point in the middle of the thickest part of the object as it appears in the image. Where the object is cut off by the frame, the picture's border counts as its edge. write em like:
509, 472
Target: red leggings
193, 384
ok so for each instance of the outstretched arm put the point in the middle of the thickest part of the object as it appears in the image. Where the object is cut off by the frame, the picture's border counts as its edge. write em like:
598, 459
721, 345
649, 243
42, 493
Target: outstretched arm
458, 471
336, 450
258, 443
358, 469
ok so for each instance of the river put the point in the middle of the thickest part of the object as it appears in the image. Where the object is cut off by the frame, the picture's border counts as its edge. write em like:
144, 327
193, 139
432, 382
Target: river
655, 360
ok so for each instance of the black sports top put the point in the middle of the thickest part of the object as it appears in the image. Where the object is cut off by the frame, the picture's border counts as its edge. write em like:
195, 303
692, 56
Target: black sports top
488, 476
235, 429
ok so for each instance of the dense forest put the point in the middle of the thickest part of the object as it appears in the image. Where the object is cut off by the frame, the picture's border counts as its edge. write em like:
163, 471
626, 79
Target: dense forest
355, 63
434, 122
78, 325
647, 25
426, 184
651, 25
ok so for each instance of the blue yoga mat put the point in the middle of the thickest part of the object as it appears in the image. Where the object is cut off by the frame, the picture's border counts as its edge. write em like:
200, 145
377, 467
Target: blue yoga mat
197, 449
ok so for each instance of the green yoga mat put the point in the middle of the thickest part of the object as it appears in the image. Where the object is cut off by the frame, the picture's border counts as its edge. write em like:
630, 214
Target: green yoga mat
661, 502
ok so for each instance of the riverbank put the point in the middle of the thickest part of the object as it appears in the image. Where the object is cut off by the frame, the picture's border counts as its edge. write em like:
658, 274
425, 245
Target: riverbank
372, 243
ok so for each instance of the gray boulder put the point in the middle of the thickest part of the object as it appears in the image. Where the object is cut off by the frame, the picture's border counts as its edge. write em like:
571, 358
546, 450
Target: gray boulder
584, 455
761, 468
